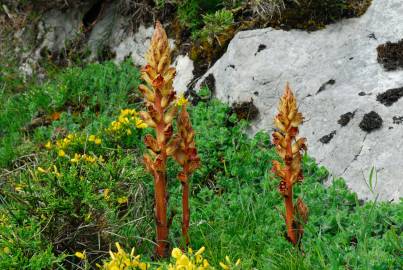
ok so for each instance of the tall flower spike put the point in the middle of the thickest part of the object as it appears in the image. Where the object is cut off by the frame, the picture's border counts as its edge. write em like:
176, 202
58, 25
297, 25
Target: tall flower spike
289, 148
186, 156
159, 97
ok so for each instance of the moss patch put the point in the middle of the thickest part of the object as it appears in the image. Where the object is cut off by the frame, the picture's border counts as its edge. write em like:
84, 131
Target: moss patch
312, 15
390, 55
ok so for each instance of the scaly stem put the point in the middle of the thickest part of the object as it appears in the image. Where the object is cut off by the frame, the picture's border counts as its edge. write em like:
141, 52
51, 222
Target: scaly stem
161, 214
186, 211
289, 217
289, 205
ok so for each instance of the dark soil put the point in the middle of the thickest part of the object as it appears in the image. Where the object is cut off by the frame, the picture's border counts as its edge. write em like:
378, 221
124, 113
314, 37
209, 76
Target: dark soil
260, 48
345, 118
390, 55
245, 110
390, 96
93, 13
398, 120
327, 138
323, 87
371, 122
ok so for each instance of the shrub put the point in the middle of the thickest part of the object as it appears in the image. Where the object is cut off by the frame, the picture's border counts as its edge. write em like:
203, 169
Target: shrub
215, 25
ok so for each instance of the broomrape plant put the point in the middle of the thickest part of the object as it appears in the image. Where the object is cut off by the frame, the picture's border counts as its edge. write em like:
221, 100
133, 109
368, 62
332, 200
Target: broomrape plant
186, 156
162, 108
289, 148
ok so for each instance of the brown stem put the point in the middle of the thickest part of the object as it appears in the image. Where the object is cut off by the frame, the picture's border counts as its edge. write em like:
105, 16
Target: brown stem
289, 217
161, 214
186, 211
289, 206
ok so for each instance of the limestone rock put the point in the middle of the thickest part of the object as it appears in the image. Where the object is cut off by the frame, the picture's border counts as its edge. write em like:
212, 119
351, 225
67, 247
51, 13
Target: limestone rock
333, 71
184, 73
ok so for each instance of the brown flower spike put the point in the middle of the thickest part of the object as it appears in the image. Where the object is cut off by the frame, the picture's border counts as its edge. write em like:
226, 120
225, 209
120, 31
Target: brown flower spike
159, 98
289, 149
186, 156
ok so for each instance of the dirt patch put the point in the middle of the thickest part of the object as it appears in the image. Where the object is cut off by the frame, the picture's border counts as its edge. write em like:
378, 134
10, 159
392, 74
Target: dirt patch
371, 122
260, 48
398, 120
245, 110
390, 96
390, 55
327, 138
323, 87
345, 118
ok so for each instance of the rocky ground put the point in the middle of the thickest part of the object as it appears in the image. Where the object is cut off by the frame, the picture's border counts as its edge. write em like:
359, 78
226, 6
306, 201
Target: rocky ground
350, 94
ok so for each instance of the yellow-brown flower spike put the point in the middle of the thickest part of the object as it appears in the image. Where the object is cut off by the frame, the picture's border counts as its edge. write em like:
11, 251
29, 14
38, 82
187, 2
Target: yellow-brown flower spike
289, 148
159, 97
186, 156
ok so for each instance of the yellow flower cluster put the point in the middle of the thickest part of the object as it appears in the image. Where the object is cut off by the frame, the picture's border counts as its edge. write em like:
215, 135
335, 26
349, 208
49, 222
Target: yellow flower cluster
127, 119
121, 260
51, 170
192, 261
61, 146
181, 100
88, 158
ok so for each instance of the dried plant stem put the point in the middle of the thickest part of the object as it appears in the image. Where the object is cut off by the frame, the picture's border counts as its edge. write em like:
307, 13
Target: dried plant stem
186, 211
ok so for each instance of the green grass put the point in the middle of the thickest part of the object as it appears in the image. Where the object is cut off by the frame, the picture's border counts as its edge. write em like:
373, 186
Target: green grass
236, 209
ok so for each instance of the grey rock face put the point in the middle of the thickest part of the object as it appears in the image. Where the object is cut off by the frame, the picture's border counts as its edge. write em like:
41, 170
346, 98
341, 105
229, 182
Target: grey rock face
335, 74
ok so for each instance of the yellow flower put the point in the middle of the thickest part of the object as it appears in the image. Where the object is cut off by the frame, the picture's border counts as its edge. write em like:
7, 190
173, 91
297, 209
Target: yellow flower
70, 136
48, 145
176, 253
223, 266
19, 187
61, 153
98, 141
200, 251
42, 170
89, 158
6, 250
183, 261
140, 123
106, 193
76, 158
91, 138
181, 100
122, 200
80, 255
238, 262
128, 132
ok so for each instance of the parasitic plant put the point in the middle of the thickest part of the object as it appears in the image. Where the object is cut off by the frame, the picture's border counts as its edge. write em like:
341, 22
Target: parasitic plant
186, 156
289, 148
161, 107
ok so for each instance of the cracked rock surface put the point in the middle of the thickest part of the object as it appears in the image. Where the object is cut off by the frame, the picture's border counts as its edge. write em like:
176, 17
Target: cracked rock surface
344, 54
